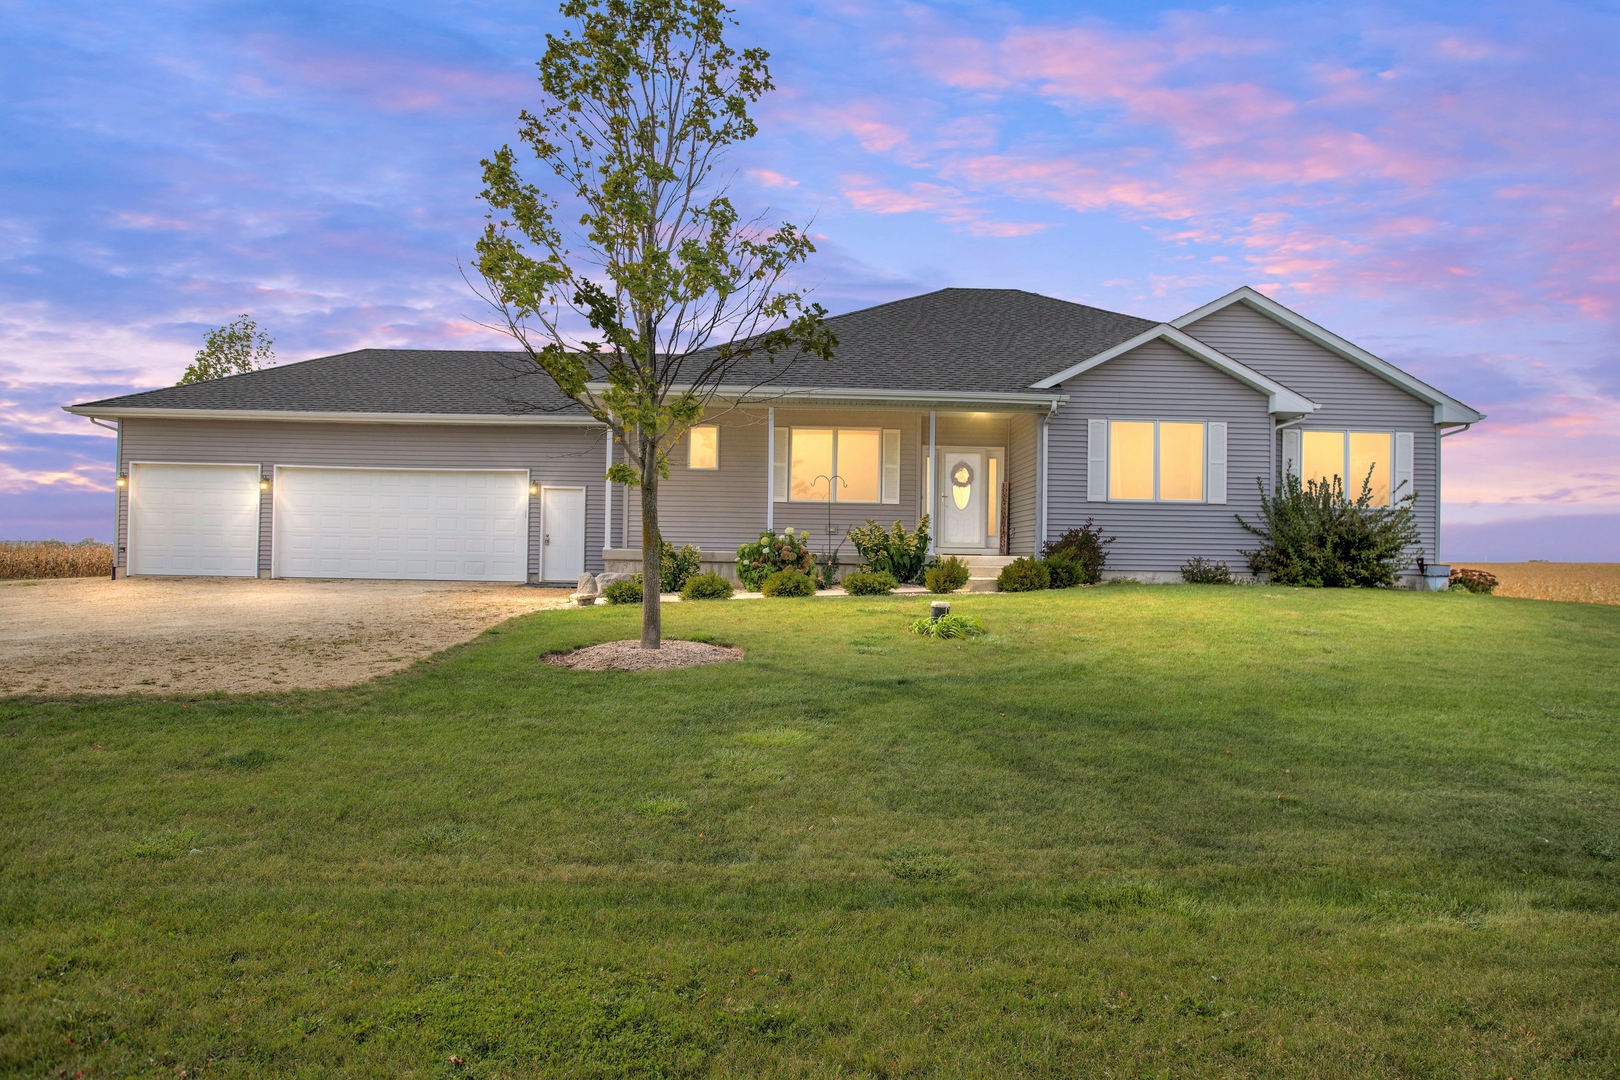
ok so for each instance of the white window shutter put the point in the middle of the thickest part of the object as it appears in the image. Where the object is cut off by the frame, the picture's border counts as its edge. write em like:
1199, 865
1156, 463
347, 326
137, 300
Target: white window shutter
779, 482
891, 465
1401, 481
1293, 452
1096, 460
1215, 436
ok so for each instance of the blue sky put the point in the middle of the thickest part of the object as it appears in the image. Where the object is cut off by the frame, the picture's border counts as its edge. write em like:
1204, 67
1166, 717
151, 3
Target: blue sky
1435, 181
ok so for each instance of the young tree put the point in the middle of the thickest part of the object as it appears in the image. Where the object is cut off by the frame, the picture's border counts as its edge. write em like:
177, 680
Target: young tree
639, 103
236, 348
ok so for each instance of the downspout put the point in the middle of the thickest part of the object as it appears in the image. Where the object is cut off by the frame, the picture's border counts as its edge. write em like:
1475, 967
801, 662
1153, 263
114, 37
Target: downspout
1276, 432
770, 470
1041, 473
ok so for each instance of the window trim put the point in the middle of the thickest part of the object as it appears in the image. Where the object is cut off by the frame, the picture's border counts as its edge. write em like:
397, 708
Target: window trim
835, 429
1156, 500
705, 427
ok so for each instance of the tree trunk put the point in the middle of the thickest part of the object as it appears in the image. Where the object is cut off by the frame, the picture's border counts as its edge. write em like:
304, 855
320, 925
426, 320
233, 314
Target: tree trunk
652, 620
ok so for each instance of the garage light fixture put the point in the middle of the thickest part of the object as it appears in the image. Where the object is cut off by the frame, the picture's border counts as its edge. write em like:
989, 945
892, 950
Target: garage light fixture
534, 489
264, 483
122, 481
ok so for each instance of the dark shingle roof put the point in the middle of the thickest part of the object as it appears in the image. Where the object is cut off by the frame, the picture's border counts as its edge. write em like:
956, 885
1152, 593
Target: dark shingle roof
984, 340
375, 380
952, 341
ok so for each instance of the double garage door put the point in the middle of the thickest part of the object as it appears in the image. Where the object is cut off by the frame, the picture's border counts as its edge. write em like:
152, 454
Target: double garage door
445, 525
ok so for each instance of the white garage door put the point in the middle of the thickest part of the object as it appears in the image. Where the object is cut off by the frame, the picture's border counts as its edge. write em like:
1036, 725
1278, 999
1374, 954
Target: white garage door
397, 523
194, 520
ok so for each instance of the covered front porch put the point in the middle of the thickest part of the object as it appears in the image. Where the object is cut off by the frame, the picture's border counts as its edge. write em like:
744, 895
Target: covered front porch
820, 470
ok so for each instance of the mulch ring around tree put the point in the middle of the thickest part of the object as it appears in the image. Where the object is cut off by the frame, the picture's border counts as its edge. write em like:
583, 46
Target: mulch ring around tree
630, 656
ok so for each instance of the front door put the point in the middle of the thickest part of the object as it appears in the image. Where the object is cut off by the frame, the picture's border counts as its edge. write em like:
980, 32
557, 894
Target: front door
962, 499
562, 549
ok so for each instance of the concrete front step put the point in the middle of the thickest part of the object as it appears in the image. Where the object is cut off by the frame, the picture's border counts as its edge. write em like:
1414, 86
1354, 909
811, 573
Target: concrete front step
983, 571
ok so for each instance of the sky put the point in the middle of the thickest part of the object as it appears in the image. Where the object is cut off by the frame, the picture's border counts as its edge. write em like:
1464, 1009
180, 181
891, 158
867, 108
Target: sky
1436, 182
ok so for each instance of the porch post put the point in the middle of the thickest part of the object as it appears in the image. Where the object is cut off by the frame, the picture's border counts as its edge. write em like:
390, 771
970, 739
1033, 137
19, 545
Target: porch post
933, 532
1040, 494
770, 470
607, 497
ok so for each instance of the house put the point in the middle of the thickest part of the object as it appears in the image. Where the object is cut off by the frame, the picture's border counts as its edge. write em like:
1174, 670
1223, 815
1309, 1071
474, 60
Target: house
1011, 416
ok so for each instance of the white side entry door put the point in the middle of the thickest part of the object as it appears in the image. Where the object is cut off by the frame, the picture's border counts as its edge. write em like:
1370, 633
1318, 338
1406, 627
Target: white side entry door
194, 520
562, 520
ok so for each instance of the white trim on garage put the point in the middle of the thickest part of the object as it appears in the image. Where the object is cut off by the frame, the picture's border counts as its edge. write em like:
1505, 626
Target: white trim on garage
441, 554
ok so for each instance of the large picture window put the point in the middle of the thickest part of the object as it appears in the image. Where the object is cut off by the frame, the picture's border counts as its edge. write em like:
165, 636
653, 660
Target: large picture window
1156, 460
864, 461
1353, 456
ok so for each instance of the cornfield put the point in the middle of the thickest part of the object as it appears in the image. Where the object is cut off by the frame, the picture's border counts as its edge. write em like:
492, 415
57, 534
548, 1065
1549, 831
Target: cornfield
1587, 583
53, 558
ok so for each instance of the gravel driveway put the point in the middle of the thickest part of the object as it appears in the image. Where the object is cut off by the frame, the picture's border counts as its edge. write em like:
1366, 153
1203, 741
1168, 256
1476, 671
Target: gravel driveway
188, 635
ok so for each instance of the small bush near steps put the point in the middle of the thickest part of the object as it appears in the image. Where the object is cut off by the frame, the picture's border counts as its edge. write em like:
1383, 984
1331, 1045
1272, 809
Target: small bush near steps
1201, 571
869, 583
1086, 548
789, 583
624, 591
706, 587
1063, 570
1024, 574
948, 576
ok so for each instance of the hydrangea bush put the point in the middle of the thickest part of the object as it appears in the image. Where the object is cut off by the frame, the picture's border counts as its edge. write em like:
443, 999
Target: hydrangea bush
788, 550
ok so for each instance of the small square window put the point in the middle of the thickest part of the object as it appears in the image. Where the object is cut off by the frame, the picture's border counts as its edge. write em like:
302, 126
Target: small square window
703, 447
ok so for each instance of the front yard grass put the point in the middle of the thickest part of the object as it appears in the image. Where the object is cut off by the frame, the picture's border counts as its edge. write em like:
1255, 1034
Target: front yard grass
1133, 831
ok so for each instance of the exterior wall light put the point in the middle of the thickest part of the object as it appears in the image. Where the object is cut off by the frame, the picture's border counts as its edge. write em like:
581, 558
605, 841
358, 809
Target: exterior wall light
534, 489
264, 483
122, 481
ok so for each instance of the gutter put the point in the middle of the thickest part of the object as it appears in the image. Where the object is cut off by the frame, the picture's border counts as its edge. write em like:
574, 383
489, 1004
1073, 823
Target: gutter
320, 416
989, 401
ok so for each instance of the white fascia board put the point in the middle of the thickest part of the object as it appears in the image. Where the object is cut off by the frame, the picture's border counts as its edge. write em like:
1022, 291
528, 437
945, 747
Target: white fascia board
1280, 401
988, 401
317, 416
1447, 409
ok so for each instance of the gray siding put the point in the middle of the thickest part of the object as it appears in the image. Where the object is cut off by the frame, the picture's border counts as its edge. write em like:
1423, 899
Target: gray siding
724, 508
1159, 382
1350, 397
1023, 460
563, 456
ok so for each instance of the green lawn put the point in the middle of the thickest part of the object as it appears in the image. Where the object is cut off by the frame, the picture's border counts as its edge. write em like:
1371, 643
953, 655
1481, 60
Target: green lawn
1135, 831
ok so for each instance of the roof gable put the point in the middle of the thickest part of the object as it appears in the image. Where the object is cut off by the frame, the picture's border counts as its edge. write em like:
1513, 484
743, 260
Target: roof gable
1280, 401
1447, 409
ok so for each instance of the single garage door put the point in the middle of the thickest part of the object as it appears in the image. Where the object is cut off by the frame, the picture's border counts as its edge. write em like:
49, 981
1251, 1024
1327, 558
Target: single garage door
440, 525
194, 520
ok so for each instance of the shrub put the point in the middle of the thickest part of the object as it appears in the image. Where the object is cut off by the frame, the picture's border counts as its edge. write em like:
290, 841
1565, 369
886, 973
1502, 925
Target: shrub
624, 591
948, 626
869, 583
706, 587
1063, 570
770, 553
894, 551
789, 583
1200, 571
675, 568
1023, 575
826, 571
947, 576
1475, 581
55, 559
1317, 536
1086, 547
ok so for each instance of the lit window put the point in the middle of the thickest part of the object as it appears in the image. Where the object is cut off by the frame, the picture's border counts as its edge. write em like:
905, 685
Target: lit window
1356, 457
703, 448
853, 461
1181, 462
1130, 459
1370, 454
1156, 460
